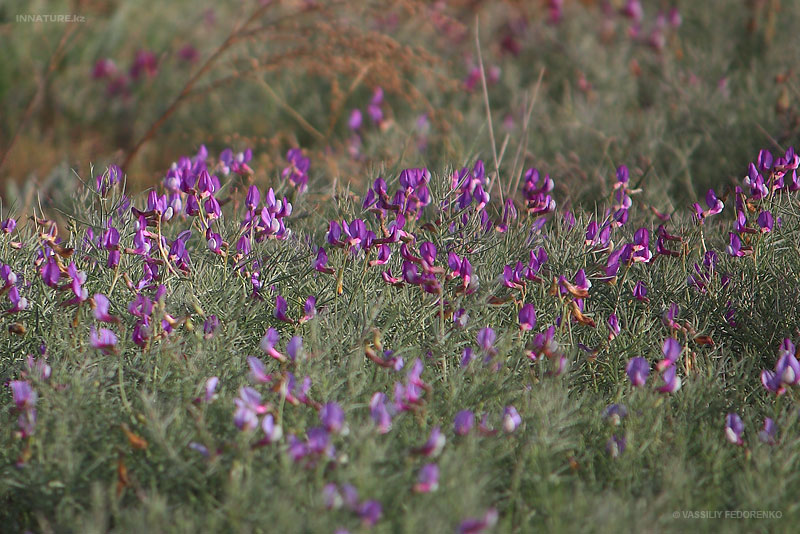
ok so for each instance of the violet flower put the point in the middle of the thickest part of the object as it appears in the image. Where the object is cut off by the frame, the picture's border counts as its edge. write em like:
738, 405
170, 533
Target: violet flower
370, 512
280, 309
511, 419
101, 304
427, 479
672, 382
433, 447
734, 428
294, 348
527, 317
479, 525
640, 292
672, 351
638, 369
258, 373
332, 417
105, 340
272, 431
463, 422
379, 413
309, 309
616, 445
615, 413
767, 434
268, 343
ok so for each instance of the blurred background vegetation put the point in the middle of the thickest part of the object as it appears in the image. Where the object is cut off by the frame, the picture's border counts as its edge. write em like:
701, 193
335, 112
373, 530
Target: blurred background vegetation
684, 94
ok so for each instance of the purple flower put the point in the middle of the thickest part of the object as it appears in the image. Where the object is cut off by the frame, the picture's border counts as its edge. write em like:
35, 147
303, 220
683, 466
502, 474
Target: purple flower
280, 309
616, 445
480, 525
427, 479
379, 413
672, 382
370, 512
355, 120
486, 338
433, 447
615, 413
332, 417
309, 309
463, 422
638, 369
767, 434
297, 171
672, 351
272, 431
101, 309
527, 317
765, 221
210, 389
321, 262
210, 326
511, 419
258, 373
104, 340
640, 292
248, 408
734, 428
268, 343
613, 326
294, 348
23, 394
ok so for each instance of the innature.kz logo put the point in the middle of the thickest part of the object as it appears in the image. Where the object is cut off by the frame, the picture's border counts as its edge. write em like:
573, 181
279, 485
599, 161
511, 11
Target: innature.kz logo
50, 18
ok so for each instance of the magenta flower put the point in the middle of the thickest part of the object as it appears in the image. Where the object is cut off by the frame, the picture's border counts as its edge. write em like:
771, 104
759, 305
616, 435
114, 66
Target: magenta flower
672, 351
38, 369
309, 309
258, 373
105, 340
767, 434
355, 120
23, 395
613, 326
480, 525
766, 221
638, 369
370, 512
427, 479
294, 348
332, 417
101, 304
734, 428
615, 413
433, 447
321, 262
248, 408
511, 419
714, 204
379, 412
210, 326
463, 422
616, 445
297, 171
640, 292
268, 343
210, 389
527, 317
672, 382
486, 338
280, 309
272, 431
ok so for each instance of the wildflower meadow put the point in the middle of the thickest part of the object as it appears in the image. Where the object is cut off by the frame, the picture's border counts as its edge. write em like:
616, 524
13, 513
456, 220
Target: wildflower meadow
403, 266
